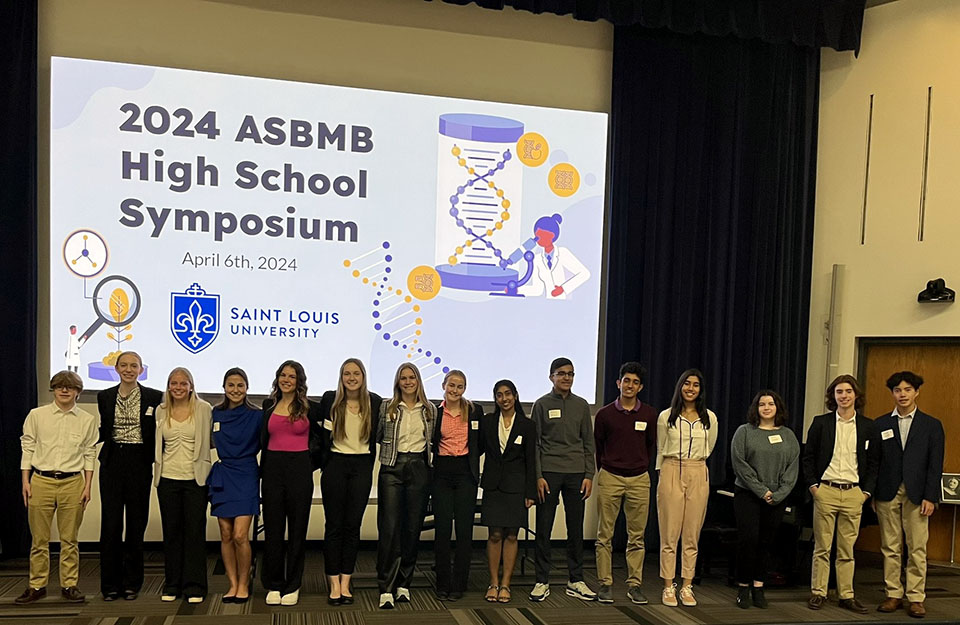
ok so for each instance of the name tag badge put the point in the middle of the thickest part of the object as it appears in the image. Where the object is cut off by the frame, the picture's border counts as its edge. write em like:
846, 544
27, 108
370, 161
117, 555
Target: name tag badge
519, 440
886, 434
474, 425
149, 411
640, 426
866, 445
216, 426
328, 424
553, 414
775, 438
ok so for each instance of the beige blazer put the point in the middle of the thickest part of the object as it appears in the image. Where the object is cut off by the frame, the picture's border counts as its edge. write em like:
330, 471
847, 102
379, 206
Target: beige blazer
202, 420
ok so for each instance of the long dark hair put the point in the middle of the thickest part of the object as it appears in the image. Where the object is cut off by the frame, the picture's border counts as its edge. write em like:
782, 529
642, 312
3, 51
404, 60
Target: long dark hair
753, 413
225, 404
700, 403
517, 406
300, 404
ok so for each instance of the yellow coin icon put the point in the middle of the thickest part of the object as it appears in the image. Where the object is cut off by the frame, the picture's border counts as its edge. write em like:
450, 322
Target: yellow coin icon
532, 149
564, 179
423, 282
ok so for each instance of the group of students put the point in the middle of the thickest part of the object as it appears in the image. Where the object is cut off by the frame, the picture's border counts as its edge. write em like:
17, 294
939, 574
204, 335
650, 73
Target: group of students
429, 454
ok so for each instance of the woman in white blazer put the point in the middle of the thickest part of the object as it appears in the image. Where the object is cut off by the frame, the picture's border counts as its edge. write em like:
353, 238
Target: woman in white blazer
182, 456
557, 271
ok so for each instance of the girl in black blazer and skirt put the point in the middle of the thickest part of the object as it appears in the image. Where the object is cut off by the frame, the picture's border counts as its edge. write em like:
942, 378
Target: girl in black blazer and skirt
509, 482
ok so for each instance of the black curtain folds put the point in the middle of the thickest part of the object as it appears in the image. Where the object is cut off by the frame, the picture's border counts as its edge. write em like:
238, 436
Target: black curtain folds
711, 220
18, 242
812, 23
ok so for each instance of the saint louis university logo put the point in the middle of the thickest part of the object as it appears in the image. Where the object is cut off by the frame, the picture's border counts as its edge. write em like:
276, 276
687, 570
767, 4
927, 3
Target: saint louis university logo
194, 318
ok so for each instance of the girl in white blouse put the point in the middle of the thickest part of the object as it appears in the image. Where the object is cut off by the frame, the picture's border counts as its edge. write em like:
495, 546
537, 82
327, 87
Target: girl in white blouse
686, 435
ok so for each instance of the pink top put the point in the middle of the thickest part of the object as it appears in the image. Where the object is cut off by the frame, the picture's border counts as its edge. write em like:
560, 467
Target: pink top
453, 434
287, 436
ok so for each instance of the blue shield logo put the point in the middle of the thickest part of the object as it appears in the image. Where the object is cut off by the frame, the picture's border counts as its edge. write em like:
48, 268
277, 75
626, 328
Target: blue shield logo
194, 318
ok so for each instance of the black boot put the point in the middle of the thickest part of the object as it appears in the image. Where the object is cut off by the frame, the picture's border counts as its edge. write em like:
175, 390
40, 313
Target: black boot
743, 597
758, 599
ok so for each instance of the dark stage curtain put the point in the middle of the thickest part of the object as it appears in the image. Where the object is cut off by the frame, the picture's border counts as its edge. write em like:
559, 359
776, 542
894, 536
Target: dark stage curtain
812, 23
711, 220
18, 241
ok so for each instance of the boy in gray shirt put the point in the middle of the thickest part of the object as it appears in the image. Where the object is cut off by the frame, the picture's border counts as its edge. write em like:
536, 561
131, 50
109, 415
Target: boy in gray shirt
565, 465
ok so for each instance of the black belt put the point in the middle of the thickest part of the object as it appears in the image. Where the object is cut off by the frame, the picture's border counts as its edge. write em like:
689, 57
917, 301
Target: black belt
57, 475
840, 485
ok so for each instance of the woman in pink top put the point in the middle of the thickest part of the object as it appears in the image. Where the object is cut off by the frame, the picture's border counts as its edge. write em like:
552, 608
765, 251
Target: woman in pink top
291, 428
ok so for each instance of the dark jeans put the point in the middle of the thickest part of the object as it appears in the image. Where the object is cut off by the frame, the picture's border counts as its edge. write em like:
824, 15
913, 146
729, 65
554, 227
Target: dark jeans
183, 517
757, 523
287, 494
454, 502
402, 492
125, 482
567, 484
345, 484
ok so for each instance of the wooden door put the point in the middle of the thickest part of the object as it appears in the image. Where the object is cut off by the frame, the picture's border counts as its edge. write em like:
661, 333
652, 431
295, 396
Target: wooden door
937, 361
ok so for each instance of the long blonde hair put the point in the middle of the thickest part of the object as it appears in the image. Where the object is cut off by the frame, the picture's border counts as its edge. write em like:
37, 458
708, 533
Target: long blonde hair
465, 404
338, 411
392, 407
167, 402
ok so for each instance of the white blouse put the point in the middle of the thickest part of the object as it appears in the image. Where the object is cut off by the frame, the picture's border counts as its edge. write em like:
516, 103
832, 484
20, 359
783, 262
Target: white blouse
687, 440
503, 432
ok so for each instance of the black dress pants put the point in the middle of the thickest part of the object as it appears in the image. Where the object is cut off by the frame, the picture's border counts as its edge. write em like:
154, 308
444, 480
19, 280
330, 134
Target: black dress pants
345, 484
402, 492
183, 517
568, 485
287, 494
125, 481
454, 502
757, 523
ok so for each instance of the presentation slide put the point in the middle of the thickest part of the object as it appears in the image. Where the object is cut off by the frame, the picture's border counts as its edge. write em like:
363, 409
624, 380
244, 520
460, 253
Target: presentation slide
210, 221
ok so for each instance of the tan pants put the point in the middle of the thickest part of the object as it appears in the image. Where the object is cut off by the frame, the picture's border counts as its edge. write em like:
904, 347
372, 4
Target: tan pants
63, 497
634, 494
898, 518
682, 506
840, 509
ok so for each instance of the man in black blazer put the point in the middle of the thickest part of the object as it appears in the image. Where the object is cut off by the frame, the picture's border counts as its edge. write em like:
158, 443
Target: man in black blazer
127, 430
840, 462
908, 487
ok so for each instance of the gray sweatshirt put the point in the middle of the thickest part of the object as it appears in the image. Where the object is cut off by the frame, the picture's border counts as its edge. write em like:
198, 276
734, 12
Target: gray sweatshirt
564, 435
765, 460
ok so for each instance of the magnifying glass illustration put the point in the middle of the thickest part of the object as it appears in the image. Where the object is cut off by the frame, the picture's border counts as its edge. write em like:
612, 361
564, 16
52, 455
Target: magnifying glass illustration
116, 302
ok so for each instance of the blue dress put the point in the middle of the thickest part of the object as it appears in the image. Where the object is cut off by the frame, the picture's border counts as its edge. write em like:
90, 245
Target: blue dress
235, 479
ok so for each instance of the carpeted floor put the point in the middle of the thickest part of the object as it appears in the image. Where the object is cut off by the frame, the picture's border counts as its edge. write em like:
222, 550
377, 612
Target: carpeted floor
788, 605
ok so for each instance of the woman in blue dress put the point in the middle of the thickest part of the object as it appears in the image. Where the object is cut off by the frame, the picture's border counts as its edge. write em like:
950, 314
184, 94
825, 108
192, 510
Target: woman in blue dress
235, 481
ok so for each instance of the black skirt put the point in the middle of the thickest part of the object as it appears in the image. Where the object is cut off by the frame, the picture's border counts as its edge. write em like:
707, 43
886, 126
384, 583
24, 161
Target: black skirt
501, 509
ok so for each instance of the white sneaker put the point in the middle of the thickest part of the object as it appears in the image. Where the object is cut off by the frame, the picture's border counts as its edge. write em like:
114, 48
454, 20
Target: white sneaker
168, 598
669, 597
386, 601
273, 597
580, 590
540, 592
403, 595
195, 599
687, 597
290, 598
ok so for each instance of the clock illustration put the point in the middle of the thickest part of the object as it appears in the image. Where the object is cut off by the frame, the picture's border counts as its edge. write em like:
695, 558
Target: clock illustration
85, 253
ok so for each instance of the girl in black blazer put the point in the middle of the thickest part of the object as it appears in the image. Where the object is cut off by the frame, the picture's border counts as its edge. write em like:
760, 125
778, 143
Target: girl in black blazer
350, 416
509, 482
455, 479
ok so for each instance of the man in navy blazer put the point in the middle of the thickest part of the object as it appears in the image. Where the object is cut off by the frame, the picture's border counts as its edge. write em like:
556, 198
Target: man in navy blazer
908, 487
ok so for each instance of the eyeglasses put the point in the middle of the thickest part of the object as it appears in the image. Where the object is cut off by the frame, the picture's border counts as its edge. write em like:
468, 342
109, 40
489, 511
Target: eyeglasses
563, 374
64, 388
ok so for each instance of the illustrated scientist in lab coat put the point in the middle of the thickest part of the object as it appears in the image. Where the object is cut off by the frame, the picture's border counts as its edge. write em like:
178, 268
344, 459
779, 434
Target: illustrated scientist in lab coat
74, 343
556, 270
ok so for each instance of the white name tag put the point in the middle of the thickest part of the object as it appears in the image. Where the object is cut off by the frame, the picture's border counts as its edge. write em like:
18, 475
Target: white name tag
553, 414
216, 426
886, 434
774, 439
866, 445
328, 424
149, 410
474, 425
519, 440
640, 426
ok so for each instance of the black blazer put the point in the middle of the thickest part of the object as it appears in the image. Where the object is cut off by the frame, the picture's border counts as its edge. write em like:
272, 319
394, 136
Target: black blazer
918, 467
150, 398
515, 470
315, 444
818, 452
473, 438
326, 403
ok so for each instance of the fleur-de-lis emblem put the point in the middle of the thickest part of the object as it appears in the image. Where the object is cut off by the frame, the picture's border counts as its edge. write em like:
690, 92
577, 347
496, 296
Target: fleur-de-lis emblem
194, 318
195, 321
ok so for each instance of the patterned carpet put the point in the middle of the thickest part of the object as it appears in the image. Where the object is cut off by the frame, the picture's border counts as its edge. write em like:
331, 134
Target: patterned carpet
715, 601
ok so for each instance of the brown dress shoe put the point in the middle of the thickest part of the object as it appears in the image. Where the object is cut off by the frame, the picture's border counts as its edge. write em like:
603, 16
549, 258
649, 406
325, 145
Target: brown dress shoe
853, 605
30, 595
890, 604
916, 609
816, 602
72, 594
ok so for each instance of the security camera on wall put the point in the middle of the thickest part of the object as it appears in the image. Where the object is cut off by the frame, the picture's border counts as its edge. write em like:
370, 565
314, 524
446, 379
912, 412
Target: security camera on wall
936, 291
